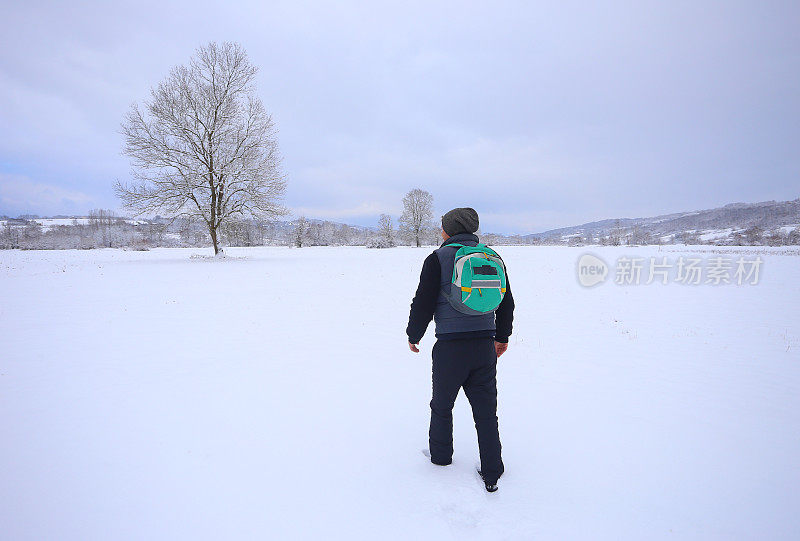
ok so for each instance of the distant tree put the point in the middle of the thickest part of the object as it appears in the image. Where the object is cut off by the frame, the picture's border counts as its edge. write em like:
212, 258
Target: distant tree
204, 146
638, 236
386, 229
237, 232
434, 234
263, 231
100, 223
314, 234
615, 237
794, 236
155, 233
9, 236
186, 231
776, 238
300, 231
691, 238
417, 215
754, 235
325, 234
101, 217
343, 235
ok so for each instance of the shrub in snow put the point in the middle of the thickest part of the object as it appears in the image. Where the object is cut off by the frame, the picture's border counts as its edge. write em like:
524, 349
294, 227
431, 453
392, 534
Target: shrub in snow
380, 242
138, 246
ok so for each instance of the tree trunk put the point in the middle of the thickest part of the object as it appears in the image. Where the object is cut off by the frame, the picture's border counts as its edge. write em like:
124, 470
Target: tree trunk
213, 232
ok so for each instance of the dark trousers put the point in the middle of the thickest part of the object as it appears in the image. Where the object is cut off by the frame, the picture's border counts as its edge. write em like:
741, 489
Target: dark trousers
470, 363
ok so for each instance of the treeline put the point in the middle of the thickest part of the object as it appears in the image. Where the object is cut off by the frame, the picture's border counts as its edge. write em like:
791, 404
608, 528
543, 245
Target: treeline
102, 229
88, 233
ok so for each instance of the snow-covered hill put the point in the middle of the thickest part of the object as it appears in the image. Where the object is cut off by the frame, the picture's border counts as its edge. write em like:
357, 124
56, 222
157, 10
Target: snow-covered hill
769, 222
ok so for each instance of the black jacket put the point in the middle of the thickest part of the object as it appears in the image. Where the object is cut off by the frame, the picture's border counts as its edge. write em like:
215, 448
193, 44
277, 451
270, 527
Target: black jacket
424, 303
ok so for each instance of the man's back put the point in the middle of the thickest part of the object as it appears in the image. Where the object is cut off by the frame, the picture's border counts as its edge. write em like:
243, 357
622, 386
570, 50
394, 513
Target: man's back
428, 301
466, 350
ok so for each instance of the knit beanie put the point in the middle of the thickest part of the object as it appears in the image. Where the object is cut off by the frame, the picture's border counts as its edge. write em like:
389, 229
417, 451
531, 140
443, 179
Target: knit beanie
460, 220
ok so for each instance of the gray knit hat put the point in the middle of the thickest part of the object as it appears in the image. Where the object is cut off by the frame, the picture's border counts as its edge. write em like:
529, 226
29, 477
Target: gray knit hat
461, 220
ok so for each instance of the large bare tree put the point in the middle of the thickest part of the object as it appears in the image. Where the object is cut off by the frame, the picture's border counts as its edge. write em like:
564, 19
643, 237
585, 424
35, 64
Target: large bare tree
203, 146
417, 215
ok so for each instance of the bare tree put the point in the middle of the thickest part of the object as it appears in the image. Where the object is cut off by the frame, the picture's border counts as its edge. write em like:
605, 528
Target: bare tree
615, 238
417, 214
300, 231
754, 235
101, 217
343, 234
9, 236
794, 236
204, 147
386, 229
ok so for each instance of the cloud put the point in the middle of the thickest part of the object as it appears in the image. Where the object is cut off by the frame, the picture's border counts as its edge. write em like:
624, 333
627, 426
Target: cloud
538, 115
21, 195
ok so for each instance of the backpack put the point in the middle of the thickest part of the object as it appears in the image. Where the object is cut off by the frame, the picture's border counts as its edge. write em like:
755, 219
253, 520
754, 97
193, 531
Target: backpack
479, 280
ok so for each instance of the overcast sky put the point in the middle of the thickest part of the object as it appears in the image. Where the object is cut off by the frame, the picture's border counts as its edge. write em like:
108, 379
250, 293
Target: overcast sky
539, 115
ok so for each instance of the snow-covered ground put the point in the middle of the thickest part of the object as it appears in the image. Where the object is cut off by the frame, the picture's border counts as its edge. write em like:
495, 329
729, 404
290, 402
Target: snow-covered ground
717, 234
271, 395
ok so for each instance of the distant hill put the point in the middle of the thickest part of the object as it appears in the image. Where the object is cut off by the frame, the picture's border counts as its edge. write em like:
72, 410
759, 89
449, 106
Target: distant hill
288, 225
736, 223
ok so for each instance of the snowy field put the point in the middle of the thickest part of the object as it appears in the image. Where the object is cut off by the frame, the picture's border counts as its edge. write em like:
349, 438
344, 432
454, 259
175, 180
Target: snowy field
149, 395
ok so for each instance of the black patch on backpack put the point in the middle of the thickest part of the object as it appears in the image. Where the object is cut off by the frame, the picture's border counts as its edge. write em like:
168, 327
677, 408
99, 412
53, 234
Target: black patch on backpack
485, 270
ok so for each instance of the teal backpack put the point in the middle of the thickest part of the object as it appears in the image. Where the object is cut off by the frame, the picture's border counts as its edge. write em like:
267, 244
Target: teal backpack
479, 280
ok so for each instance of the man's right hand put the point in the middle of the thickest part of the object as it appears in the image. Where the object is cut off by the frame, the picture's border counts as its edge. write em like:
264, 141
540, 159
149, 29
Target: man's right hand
500, 348
413, 347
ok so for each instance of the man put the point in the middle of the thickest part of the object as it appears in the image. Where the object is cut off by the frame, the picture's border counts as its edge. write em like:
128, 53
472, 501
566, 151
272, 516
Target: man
466, 350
